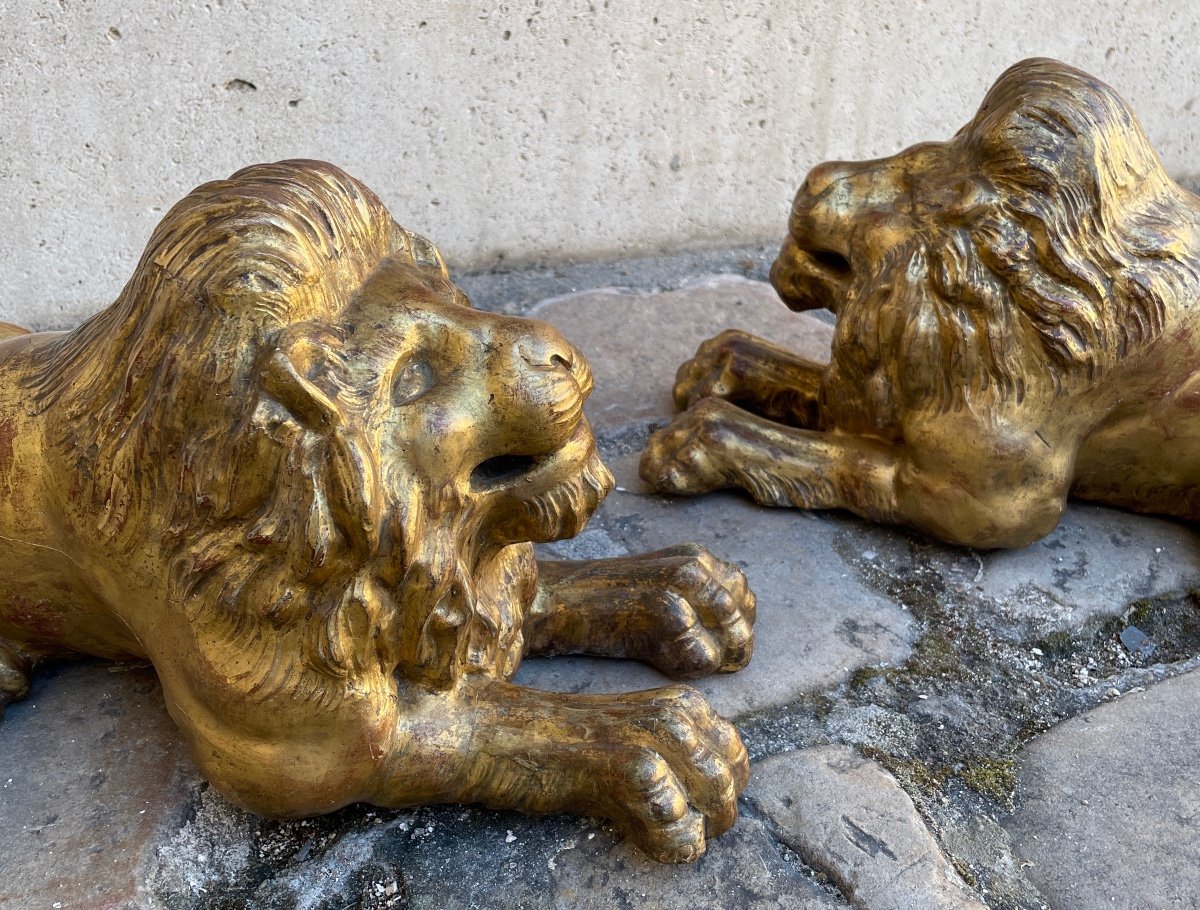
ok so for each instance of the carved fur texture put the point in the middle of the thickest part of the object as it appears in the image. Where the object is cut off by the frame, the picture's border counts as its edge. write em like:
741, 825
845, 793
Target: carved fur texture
296, 470
1016, 322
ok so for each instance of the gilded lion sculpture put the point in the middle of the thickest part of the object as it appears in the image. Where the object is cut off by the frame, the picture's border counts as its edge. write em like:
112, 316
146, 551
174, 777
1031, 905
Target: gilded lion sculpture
1018, 317
298, 472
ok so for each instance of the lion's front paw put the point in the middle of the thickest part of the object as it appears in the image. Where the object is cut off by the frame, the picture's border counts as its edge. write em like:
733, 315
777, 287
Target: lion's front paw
660, 763
706, 611
687, 456
711, 373
680, 768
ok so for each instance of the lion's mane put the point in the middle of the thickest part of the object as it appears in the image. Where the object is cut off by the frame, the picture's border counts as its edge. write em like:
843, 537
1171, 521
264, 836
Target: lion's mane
1068, 251
157, 406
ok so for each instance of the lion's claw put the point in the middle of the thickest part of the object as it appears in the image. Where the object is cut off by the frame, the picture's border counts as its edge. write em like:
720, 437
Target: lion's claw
708, 614
686, 457
711, 372
685, 777
661, 764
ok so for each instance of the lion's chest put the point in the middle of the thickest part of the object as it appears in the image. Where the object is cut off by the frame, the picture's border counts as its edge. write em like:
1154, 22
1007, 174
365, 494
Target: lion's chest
505, 584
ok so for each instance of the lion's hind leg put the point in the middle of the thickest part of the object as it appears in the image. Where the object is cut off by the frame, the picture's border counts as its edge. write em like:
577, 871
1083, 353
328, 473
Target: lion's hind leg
14, 675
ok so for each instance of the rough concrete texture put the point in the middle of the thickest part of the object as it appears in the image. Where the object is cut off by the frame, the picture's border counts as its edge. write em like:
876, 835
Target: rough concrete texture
846, 815
1109, 811
520, 130
936, 664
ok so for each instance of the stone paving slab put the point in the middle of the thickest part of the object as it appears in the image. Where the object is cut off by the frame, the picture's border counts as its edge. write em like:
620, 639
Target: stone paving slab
847, 816
1096, 558
1097, 562
88, 771
746, 867
636, 341
1109, 813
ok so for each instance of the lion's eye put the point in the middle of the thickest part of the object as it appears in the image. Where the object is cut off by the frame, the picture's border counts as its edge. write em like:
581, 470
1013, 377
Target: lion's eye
413, 380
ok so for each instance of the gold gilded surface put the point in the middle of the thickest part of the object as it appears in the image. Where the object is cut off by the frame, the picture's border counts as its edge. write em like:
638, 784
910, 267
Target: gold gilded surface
294, 469
1017, 321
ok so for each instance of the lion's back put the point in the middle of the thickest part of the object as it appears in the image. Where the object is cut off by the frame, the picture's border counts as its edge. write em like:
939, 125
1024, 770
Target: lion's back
8, 330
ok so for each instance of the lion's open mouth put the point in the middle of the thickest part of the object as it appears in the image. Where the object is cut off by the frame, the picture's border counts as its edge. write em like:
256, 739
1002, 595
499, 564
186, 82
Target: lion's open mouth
500, 470
810, 277
545, 497
526, 476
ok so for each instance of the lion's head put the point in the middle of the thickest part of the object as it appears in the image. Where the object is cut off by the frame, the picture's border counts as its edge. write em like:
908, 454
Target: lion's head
1043, 243
327, 437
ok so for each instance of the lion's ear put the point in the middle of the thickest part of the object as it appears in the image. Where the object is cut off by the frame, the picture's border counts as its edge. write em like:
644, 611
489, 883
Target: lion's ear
308, 404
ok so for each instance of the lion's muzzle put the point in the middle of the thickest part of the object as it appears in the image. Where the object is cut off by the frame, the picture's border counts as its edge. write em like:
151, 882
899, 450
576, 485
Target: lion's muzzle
809, 279
815, 264
538, 384
534, 456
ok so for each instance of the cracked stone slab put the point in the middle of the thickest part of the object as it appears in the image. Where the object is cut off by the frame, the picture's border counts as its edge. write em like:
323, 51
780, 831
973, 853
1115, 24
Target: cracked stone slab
1109, 804
1097, 558
460, 858
744, 868
1095, 564
848, 817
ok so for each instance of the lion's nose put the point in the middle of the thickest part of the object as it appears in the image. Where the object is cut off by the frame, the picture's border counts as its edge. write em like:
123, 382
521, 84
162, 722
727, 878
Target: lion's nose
826, 176
536, 384
548, 351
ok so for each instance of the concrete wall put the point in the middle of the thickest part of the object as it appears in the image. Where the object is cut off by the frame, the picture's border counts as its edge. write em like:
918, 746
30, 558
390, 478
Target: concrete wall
514, 132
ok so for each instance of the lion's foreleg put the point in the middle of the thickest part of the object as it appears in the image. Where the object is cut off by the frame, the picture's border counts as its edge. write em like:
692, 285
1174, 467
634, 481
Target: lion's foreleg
660, 764
680, 609
995, 483
755, 374
716, 444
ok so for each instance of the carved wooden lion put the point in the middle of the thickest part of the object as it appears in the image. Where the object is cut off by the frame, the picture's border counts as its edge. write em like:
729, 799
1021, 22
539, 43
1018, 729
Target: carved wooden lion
293, 468
1017, 320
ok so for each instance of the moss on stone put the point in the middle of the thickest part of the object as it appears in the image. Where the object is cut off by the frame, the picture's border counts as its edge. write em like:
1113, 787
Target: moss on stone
914, 776
995, 778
